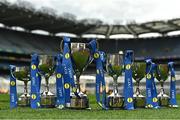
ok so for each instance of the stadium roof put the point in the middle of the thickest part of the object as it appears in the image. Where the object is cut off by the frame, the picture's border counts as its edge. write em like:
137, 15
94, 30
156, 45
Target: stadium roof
25, 16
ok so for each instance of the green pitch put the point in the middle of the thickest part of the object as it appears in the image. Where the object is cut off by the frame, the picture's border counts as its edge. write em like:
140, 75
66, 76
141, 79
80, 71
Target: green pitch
95, 113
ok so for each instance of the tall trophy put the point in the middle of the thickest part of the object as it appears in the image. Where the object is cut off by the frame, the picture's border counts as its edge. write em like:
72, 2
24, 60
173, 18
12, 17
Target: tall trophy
138, 73
81, 58
46, 69
162, 76
22, 74
114, 66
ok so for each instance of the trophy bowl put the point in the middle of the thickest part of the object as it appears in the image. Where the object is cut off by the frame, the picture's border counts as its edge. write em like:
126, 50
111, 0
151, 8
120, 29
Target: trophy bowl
138, 73
80, 56
23, 74
162, 75
114, 67
46, 69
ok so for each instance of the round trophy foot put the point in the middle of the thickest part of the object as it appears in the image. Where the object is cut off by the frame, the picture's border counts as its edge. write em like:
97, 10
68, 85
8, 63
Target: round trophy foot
115, 102
47, 101
163, 101
139, 102
79, 103
24, 101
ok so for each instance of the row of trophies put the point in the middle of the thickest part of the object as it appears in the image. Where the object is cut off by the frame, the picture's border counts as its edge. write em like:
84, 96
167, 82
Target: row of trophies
73, 61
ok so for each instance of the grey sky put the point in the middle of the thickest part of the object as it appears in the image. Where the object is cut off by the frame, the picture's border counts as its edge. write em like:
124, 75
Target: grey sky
115, 11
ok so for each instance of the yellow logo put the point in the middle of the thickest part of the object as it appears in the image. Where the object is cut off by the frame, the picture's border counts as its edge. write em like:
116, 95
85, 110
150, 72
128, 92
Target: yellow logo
97, 71
66, 86
33, 96
148, 76
74, 89
67, 55
173, 78
128, 66
96, 55
58, 75
12, 83
155, 99
33, 67
130, 100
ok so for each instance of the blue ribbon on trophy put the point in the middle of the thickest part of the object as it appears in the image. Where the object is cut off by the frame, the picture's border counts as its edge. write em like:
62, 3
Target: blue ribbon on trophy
172, 101
154, 90
60, 101
149, 83
128, 85
68, 72
35, 82
99, 58
13, 90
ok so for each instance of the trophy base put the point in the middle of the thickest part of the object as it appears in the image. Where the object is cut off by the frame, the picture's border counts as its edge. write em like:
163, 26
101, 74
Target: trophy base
163, 101
48, 101
24, 101
139, 101
79, 103
115, 102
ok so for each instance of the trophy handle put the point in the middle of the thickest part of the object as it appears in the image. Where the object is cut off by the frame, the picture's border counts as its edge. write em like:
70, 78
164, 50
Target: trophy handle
61, 46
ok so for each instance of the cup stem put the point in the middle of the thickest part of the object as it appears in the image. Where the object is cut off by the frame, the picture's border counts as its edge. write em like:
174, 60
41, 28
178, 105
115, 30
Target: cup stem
115, 85
47, 85
137, 88
25, 88
162, 87
78, 83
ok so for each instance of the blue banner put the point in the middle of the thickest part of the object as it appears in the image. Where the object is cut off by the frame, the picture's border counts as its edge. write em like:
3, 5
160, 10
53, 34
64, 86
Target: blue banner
99, 58
154, 90
172, 102
128, 85
35, 82
13, 91
60, 101
149, 83
68, 72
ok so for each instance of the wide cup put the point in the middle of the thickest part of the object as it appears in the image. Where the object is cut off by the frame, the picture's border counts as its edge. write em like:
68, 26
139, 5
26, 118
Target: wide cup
81, 58
162, 73
138, 73
23, 74
46, 69
114, 67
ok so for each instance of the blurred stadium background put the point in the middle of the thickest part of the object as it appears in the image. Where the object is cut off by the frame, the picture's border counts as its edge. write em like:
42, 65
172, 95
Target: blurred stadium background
25, 30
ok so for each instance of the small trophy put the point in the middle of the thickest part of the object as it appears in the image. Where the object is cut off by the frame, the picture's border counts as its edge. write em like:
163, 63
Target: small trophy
138, 72
114, 66
80, 56
162, 76
46, 69
23, 74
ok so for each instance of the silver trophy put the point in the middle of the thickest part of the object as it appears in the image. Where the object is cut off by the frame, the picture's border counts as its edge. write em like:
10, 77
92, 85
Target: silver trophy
46, 69
80, 56
138, 72
23, 74
162, 75
114, 67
